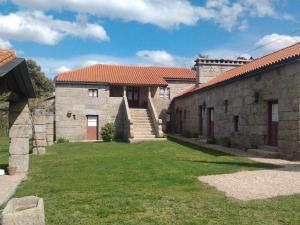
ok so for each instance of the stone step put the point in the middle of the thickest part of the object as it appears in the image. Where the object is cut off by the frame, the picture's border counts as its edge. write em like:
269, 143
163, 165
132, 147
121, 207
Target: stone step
144, 136
143, 128
142, 133
264, 153
269, 148
132, 140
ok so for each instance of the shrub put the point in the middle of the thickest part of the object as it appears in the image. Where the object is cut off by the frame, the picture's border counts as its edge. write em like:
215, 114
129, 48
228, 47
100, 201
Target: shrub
108, 132
62, 140
187, 134
212, 141
226, 142
195, 135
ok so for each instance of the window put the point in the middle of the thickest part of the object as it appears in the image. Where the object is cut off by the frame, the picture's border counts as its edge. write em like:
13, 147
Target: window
168, 94
226, 106
184, 114
161, 92
93, 92
236, 123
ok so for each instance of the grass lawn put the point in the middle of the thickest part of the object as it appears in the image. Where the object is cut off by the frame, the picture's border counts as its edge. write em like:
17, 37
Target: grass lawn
145, 183
4, 142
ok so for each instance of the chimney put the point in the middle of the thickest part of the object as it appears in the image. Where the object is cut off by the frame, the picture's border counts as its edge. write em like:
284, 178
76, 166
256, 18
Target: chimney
208, 69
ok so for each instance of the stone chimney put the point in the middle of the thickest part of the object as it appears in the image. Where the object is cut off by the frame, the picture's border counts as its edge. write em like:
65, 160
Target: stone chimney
208, 69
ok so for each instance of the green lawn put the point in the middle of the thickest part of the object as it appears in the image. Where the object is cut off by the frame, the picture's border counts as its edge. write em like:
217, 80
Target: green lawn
4, 142
145, 183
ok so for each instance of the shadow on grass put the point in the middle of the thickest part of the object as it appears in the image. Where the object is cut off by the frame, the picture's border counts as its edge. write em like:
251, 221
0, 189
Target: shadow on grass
4, 167
195, 147
240, 164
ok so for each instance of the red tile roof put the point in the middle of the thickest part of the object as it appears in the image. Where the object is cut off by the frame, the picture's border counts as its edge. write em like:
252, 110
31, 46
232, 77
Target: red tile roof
126, 75
6, 56
260, 63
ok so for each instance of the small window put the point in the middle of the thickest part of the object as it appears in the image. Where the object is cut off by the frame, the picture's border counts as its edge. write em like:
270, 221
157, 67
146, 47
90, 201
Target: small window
93, 92
161, 92
226, 106
184, 114
236, 123
168, 93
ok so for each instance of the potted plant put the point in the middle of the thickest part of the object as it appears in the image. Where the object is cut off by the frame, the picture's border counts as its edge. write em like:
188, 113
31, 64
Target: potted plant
11, 170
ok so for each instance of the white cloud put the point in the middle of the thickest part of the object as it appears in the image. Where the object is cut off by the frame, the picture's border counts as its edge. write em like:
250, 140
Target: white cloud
157, 57
273, 42
4, 44
38, 27
166, 13
62, 69
52, 66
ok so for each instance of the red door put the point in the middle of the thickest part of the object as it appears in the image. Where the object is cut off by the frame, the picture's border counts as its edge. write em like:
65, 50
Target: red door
133, 96
92, 128
273, 123
211, 123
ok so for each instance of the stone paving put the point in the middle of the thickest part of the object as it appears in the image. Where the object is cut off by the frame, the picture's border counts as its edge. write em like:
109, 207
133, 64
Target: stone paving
8, 186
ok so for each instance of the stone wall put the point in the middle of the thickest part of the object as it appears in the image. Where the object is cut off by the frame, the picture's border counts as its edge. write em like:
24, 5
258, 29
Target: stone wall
208, 69
162, 104
19, 133
74, 99
280, 84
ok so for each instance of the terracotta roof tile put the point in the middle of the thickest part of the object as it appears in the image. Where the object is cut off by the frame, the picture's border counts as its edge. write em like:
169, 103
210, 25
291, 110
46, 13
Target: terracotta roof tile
6, 56
260, 63
126, 75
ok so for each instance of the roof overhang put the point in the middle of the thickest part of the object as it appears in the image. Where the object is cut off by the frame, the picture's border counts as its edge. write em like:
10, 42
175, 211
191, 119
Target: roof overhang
14, 77
111, 84
244, 76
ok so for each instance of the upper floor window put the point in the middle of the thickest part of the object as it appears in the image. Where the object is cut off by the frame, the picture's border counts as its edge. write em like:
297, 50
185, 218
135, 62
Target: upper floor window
93, 92
168, 94
164, 92
161, 92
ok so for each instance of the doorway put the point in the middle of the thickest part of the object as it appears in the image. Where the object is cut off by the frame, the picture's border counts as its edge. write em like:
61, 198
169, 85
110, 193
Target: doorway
273, 123
200, 116
133, 96
211, 123
92, 128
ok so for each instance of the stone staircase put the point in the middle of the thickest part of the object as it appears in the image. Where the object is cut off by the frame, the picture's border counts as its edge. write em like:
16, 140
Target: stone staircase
266, 151
143, 127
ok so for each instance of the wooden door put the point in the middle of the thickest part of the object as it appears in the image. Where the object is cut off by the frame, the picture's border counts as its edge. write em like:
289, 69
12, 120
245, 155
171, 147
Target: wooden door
211, 123
133, 96
180, 122
92, 128
200, 112
273, 123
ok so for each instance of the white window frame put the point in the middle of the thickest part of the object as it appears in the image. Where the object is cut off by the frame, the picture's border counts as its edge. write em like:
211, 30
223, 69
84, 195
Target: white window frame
93, 93
161, 92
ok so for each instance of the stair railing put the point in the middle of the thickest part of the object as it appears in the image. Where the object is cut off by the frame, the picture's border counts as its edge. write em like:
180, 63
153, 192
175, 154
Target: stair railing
157, 122
128, 120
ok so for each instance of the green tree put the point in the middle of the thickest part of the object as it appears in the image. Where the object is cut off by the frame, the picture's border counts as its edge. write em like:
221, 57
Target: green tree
42, 85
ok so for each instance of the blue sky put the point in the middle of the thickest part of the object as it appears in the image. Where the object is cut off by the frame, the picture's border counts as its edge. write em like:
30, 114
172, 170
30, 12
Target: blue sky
66, 34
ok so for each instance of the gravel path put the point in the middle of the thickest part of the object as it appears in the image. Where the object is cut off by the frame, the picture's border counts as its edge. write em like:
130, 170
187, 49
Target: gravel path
260, 184
249, 185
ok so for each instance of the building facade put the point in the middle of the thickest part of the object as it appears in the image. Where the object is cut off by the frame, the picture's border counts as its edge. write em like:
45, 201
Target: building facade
135, 99
254, 106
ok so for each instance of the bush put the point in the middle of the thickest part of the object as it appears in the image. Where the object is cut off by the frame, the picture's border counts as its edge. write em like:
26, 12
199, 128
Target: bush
62, 140
195, 135
212, 141
108, 132
226, 142
187, 134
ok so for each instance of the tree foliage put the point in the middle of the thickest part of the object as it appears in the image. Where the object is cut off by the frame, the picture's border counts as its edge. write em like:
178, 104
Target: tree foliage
42, 85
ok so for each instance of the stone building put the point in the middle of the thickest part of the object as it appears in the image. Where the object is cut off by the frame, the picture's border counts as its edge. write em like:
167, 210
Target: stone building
135, 98
254, 106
